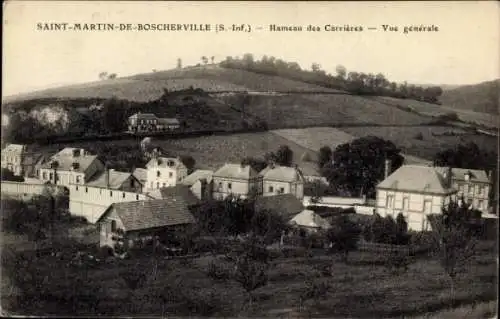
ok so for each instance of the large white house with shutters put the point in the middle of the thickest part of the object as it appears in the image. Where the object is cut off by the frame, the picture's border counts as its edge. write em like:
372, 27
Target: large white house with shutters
416, 192
164, 172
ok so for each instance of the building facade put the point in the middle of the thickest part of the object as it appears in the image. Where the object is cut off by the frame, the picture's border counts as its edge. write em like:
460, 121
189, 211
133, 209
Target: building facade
236, 179
70, 166
282, 180
149, 122
416, 192
164, 172
13, 157
473, 186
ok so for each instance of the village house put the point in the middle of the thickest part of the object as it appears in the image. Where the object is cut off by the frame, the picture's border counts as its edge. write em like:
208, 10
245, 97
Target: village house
112, 179
473, 186
309, 221
12, 158
149, 122
71, 166
200, 183
142, 175
416, 192
278, 179
164, 172
139, 220
236, 179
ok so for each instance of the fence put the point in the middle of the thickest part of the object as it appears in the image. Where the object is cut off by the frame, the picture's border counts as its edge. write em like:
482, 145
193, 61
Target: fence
334, 201
23, 191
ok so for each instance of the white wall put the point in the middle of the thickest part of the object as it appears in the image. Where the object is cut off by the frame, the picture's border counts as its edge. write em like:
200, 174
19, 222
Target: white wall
91, 202
295, 188
477, 193
169, 176
19, 188
335, 201
222, 187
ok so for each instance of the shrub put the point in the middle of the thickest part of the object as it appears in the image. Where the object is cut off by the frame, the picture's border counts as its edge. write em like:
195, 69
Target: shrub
217, 271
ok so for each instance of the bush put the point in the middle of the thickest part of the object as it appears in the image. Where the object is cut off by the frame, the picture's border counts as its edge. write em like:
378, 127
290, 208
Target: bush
217, 271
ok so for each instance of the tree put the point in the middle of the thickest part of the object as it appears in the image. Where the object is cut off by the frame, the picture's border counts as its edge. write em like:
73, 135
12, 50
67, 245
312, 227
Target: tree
204, 59
341, 72
189, 162
212, 58
454, 236
402, 230
179, 63
257, 164
315, 67
112, 76
284, 156
466, 156
325, 156
268, 225
344, 236
103, 75
114, 115
359, 165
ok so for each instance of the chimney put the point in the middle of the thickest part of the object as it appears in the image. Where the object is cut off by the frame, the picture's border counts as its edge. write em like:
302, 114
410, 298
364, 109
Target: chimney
447, 176
107, 177
387, 168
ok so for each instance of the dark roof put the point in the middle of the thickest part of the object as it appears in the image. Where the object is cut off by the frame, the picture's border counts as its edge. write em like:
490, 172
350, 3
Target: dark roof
147, 214
182, 191
286, 205
30, 160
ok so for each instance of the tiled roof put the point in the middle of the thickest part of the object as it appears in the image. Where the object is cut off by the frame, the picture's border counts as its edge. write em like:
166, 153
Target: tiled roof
30, 160
164, 162
141, 174
425, 179
236, 171
17, 148
65, 162
281, 173
196, 176
116, 179
154, 213
169, 121
143, 116
181, 191
475, 175
286, 205
308, 218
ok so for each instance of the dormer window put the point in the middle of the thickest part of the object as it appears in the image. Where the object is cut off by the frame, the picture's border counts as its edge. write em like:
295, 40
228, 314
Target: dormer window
158, 173
171, 163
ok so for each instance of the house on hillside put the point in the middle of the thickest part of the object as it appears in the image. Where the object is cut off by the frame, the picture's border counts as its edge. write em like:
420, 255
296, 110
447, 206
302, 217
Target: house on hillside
13, 157
149, 122
139, 220
473, 186
285, 205
70, 166
278, 179
164, 172
236, 179
112, 179
309, 221
200, 183
416, 192
168, 124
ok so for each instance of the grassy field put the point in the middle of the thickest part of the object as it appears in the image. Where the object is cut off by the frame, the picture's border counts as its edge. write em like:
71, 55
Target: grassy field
316, 137
362, 288
486, 119
432, 140
481, 97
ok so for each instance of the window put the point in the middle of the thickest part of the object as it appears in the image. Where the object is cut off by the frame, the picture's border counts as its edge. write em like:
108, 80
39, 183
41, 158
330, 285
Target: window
86, 189
44, 175
282, 190
481, 190
78, 179
271, 189
480, 204
132, 183
170, 174
110, 193
229, 185
220, 186
76, 187
113, 225
57, 177
158, 173
136, 197
405, 203
390, 201
51, 176
123, 195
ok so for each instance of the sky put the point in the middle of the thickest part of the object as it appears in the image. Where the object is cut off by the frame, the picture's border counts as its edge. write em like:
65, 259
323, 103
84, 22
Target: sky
465, 50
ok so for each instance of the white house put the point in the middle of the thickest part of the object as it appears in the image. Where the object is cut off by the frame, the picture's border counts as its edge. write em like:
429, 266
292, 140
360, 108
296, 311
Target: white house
416, 192
278, 179
164, 172
12, 158
473, 186
70, 166
236, 179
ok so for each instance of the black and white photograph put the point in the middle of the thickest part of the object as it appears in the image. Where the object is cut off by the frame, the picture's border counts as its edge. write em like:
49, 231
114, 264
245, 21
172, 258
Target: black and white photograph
250, 159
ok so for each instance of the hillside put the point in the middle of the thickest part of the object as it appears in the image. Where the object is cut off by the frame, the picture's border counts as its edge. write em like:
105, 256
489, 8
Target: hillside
482, 97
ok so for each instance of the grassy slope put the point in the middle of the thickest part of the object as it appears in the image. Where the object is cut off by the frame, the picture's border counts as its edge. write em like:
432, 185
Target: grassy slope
482, 97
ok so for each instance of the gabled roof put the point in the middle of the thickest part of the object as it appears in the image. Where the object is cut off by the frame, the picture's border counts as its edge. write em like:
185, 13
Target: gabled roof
168, 121
281, 173
141, 174
154, 213
286, 205
15, 148
143, 116
476, 175
182, 191
308, 218
236, 171
196, 176
422, 179
116, 179
164, 162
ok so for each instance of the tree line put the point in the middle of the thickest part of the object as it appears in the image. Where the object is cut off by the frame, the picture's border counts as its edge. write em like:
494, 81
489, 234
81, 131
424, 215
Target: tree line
352, 81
